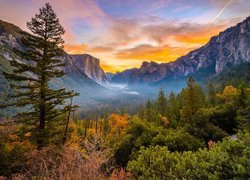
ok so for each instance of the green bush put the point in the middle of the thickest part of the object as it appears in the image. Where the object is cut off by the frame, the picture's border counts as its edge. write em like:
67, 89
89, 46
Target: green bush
229, 159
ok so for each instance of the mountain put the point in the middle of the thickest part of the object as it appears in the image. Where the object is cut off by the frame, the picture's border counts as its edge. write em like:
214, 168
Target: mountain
75, 77
230, 47
90, 66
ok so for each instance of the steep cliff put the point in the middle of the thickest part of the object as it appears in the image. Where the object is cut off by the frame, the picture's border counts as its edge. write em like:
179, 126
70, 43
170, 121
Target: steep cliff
90, 66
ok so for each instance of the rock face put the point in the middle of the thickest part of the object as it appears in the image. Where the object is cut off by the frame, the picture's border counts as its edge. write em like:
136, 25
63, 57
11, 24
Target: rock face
9, 34
231, 47
90, 66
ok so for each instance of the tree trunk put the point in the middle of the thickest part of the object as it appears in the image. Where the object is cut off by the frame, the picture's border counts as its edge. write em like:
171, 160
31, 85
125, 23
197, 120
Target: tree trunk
42, 118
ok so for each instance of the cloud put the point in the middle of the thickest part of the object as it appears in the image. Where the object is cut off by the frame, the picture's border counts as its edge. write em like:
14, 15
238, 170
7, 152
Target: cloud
198, 34
100, 49
127, 39
75, 48
147, 52
121, 32
86, 10
70, 12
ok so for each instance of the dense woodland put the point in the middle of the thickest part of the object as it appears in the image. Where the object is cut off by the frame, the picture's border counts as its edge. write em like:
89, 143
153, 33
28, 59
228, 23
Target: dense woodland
201, 132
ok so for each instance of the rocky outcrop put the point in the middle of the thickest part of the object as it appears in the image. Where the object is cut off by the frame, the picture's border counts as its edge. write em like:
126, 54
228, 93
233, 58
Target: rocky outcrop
231, 47
9, 35
90, 66
147, 67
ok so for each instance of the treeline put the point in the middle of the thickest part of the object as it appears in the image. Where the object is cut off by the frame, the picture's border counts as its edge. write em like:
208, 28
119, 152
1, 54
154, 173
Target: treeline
220, 109
186, 121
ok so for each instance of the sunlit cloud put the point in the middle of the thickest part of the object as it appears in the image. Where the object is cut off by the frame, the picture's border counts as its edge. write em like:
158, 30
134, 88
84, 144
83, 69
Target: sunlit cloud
100, 49
75, 48
158, 54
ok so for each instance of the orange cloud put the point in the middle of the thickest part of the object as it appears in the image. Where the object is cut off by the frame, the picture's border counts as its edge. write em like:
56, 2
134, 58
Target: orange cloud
192, 40
100, 49
75, 48
159, 54
199, 37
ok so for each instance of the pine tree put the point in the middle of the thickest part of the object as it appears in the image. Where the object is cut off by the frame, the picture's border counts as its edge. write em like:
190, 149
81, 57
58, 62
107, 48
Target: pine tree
161, 103
211, 94
39, 65
141, 113
148, 111
242, 98
193, 99
106, 126
173, 109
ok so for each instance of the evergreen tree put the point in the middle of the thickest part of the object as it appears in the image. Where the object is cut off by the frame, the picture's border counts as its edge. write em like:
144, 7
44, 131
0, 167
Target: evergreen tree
148, 113
173, 109
106, 126
193, 99
242, 98
141, 113
211, 94
32, 75
161, 103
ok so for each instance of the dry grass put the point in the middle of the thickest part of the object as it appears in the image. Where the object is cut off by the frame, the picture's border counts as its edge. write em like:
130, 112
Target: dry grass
120, 174
70, 162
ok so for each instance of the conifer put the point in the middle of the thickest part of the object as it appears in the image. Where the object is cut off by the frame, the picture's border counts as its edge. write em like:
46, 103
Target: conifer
39, 65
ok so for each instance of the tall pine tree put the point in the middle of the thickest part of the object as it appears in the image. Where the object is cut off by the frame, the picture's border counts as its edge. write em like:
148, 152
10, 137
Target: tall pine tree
173, 109
193, 99
211, 94
39, 65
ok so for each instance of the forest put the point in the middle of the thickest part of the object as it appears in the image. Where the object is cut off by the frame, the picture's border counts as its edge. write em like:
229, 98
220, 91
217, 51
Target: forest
201, 132
193, 134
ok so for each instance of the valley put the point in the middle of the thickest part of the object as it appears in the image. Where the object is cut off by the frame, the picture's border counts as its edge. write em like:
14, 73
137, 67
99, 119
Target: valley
182, 113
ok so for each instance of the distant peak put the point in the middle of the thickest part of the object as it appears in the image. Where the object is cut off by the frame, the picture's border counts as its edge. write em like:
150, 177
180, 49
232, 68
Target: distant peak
149, 64
145, 63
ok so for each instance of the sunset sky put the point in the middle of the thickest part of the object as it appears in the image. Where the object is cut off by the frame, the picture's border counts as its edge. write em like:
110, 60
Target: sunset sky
123, 33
